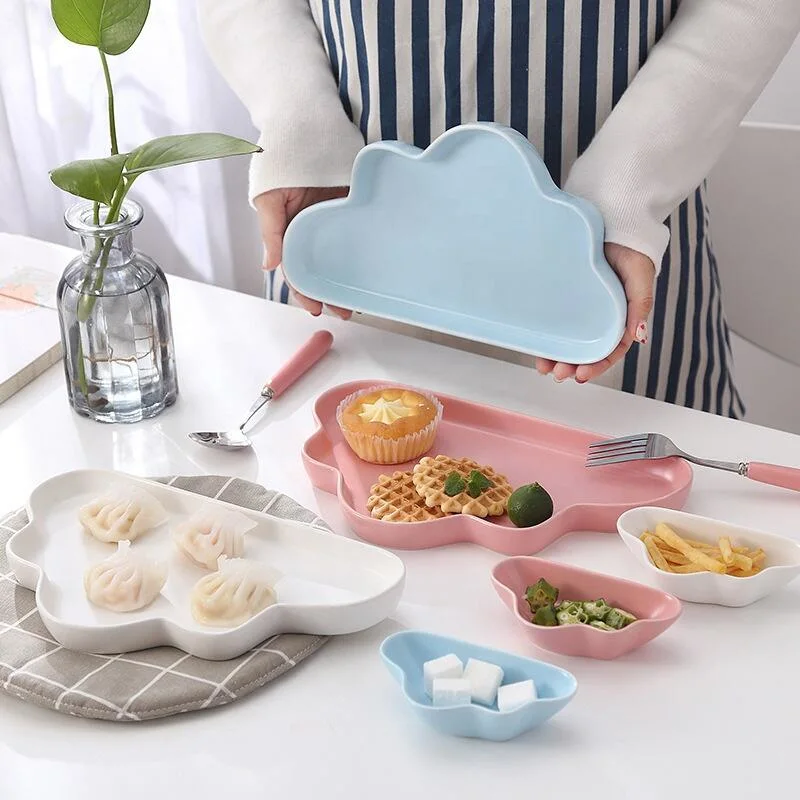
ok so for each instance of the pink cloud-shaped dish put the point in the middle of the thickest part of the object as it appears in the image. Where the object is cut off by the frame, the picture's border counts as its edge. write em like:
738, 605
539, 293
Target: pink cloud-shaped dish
655, 611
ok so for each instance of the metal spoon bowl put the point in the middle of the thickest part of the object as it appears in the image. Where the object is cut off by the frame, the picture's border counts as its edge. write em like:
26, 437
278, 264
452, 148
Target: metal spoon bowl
305, 358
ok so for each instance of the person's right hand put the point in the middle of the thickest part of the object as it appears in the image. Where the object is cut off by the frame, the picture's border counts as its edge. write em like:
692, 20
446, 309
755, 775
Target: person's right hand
276, 209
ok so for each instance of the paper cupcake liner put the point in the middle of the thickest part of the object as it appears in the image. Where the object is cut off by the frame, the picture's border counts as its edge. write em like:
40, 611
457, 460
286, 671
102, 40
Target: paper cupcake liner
377, 450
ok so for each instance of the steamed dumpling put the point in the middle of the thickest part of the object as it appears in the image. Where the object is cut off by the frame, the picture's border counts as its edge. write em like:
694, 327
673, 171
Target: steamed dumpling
235, 593
126, 581
122, 513
212, 533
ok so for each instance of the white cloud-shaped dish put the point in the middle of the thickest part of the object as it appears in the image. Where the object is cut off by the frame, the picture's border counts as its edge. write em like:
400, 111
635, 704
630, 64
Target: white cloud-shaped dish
469, 237
782, 557
329, 585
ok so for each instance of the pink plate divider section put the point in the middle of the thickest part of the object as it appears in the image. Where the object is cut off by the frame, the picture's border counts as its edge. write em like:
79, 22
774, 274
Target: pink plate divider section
523, 448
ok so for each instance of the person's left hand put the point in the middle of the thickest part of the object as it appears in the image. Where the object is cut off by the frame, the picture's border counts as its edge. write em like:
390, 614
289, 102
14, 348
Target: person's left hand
637, 273
276, 208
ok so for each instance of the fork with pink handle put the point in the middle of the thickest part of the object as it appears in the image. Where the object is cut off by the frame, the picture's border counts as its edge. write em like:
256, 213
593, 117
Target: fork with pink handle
650, 446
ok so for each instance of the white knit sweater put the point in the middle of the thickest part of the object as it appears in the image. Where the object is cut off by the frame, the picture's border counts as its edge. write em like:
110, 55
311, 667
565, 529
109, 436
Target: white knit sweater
657, 145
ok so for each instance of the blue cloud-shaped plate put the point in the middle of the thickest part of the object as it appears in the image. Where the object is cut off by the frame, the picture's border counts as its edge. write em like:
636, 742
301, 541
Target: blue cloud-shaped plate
404, 654
469, 237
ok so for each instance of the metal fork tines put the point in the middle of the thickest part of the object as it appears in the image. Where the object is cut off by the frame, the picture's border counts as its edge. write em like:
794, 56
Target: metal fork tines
618, 451
648, 446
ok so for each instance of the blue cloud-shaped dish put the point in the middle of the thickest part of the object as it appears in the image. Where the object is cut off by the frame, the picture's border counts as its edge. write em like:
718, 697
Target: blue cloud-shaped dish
405, 653
469, 237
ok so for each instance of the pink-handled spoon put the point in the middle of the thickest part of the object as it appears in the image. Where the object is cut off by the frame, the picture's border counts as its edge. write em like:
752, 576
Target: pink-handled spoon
305, 358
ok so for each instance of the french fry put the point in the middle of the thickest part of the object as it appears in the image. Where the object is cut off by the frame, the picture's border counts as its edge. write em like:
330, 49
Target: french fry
671, 552
725, 550
742, 562
742, 573
655, 554
710, 550
700, 545
666, 534
688, 568
676, 559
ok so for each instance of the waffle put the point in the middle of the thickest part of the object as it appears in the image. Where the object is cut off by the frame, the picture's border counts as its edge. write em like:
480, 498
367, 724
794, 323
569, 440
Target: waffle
429, 477
394, 499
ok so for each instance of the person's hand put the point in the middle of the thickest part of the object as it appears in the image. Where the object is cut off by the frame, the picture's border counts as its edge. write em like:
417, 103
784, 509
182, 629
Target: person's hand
637, 273
276, 209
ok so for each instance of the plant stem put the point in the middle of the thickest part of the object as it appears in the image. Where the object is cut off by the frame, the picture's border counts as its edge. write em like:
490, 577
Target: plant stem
88, 293
120, 193
112, 122
86, 302
83, 383
98, 258
102, 249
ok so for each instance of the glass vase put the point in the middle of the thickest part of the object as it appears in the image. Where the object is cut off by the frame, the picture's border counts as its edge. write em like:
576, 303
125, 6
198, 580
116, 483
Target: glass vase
116, 330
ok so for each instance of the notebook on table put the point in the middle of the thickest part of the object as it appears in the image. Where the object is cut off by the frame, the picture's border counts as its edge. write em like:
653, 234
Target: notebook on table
30, 342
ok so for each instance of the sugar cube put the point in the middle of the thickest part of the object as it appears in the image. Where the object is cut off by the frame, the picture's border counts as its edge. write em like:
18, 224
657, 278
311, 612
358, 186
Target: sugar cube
484, 680
448, 666
514, 695
451, 692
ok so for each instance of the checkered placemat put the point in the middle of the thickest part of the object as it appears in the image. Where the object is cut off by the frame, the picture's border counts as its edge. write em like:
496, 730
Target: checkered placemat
148, 683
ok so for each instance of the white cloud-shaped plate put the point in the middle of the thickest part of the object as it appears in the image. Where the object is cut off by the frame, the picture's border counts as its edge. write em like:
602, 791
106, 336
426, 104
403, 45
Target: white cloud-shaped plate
469, 237
330, 585
781, 567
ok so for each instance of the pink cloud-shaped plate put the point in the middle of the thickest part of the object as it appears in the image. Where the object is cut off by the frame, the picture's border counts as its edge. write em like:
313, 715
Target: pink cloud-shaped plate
655, 610
523, 448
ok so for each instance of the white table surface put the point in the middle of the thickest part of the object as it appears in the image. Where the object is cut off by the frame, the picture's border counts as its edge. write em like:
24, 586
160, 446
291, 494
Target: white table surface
718, 688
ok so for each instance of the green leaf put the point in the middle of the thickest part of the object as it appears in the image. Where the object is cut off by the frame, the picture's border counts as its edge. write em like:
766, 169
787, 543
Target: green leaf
111, 25
170, 151
454, 484
477, 483
94, 179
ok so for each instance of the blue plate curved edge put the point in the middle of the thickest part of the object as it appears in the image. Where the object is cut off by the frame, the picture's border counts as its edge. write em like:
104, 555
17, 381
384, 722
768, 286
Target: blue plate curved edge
404, 654
380, 250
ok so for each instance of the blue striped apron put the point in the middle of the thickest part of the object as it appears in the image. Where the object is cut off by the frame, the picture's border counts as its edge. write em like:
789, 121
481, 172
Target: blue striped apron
553, 70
